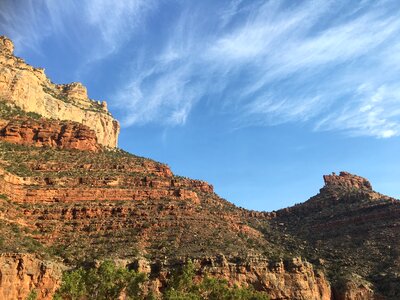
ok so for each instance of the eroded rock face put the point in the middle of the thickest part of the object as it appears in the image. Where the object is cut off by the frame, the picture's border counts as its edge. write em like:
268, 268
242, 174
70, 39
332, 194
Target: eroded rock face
23, 273
284, 280
46, 133
294, 279
29, 89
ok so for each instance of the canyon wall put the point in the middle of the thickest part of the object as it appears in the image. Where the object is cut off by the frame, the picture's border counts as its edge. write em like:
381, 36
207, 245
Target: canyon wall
29, 89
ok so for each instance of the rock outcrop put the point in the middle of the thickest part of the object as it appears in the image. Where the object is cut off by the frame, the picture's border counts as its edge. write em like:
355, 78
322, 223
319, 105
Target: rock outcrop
291, 279
346, 180
49, 133
22, 274
29, 88
294, 279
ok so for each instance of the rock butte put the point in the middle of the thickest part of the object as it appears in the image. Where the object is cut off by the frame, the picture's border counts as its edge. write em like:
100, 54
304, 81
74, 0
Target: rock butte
68, 195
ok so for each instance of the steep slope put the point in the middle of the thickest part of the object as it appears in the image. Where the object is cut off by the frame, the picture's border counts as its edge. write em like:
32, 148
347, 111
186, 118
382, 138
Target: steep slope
29, 89
81, 206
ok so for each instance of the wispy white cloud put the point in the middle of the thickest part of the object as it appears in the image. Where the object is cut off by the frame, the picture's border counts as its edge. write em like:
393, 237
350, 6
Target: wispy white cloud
269, 111
164, 87
159, 94
281, 62
116, 21
371, 111
98, 27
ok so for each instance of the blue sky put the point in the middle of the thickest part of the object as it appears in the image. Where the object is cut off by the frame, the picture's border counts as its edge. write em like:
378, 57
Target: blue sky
259, 98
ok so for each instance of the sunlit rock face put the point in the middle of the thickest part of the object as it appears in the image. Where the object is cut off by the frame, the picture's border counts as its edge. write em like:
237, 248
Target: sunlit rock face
49, 133
30, 89
23, 273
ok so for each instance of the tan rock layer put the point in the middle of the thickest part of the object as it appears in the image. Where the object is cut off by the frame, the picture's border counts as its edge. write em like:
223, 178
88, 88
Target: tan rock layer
294, 279
284, 280
29, 89
46, 133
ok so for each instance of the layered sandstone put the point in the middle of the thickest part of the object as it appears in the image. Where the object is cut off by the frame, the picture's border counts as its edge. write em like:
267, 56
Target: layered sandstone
22, 274
48, 133
112, 204
284, 280
29, 88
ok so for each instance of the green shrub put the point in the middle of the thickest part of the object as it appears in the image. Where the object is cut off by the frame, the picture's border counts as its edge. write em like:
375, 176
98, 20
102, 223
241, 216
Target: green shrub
32, 295
103, 283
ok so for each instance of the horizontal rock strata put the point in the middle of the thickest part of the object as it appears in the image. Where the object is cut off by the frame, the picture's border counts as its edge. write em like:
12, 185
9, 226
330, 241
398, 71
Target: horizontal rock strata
49, 133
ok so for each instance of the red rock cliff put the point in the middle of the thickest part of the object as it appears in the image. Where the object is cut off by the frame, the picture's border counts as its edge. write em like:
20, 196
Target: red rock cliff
48, 133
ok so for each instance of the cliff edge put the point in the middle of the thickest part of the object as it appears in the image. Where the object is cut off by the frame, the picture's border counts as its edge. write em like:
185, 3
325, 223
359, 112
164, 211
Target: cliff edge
31, 90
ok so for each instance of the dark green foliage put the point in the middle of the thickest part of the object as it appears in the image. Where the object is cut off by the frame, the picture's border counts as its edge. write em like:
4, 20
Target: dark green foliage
103, 283
183, 287
32, 295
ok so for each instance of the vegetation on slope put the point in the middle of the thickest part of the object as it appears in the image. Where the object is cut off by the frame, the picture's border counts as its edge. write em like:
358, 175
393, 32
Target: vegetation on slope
109, 282
21, 160
14, 236
88, 230
8, 112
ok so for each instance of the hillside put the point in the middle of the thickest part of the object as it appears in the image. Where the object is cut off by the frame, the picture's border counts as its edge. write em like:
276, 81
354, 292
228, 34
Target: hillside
69, 198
